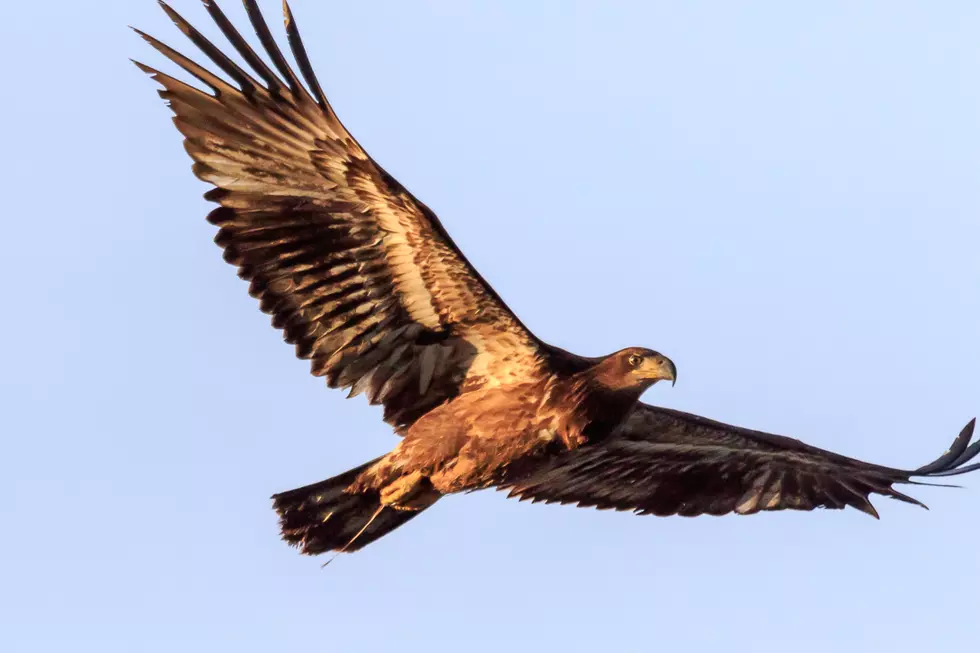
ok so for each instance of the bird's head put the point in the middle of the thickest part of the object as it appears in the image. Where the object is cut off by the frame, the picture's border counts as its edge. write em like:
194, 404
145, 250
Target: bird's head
635, 368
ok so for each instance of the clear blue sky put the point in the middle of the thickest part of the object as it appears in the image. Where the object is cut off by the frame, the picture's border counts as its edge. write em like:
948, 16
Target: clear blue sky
782, 197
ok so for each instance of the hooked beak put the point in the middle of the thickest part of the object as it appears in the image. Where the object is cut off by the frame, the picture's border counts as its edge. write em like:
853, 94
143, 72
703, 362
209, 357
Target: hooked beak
662, 369
671, 369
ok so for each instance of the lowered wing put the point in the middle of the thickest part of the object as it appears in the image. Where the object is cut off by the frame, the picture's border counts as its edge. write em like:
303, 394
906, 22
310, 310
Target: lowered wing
665, 462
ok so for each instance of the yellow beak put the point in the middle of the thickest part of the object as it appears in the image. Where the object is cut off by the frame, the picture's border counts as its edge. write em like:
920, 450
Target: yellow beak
660, 368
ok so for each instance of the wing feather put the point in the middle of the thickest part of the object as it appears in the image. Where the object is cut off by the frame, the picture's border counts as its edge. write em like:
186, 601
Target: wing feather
665, 462
361, 277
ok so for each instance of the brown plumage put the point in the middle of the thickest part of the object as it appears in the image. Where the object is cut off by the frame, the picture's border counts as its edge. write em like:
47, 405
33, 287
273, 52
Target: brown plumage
364, 280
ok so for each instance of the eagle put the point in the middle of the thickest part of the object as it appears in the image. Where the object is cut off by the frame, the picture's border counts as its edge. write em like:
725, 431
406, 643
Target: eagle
365, 281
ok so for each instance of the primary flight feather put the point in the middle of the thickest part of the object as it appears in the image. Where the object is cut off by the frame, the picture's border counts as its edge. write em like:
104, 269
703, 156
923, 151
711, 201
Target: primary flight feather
367, 284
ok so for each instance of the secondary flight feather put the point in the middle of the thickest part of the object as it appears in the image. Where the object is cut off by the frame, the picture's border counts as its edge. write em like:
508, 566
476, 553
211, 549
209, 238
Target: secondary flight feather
368, 285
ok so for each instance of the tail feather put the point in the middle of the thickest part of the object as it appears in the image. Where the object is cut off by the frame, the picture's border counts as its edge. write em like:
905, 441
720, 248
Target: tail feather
323, 517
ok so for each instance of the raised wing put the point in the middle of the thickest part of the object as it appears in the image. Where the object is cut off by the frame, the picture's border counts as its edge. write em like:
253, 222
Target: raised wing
664, 462
360, 275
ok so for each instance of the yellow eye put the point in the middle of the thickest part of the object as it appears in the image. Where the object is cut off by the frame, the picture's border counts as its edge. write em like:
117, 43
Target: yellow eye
636, 360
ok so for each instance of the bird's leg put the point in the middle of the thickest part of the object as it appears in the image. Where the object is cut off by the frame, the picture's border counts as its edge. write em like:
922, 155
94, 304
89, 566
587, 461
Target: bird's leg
413, 491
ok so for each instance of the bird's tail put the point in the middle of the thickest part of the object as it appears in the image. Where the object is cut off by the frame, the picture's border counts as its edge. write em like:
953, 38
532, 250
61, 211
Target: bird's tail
324, 517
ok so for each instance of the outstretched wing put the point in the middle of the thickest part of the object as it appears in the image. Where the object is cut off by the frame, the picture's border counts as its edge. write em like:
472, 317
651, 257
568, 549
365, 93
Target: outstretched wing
665, 462
360, 275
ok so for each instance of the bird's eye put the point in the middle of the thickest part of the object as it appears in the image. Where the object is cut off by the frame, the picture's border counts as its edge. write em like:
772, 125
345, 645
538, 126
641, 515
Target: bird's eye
636, 360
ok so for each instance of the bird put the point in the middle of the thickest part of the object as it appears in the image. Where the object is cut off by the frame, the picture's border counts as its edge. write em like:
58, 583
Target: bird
366, 283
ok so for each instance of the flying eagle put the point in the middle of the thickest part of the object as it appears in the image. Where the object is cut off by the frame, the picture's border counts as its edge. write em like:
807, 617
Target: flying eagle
365, 281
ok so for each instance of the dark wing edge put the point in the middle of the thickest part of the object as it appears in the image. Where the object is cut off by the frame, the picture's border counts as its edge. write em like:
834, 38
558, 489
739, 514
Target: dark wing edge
666, 462
361, 277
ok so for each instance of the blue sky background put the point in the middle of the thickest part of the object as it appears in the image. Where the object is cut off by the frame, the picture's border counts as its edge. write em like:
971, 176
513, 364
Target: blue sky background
780, 196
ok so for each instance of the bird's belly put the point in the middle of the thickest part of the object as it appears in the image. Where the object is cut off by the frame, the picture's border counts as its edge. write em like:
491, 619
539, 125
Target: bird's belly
468, 447
474, 440
482, 461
